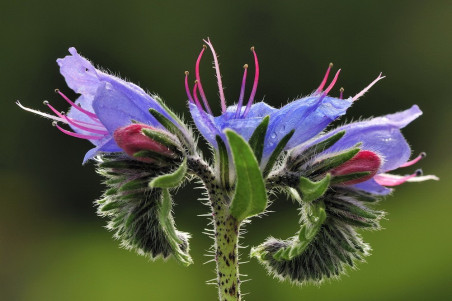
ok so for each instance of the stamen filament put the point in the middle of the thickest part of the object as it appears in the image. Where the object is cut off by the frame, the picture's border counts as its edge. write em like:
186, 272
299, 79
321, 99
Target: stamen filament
242, 91
395, 180
325, 78
341, 93
195, 95
74, 123
88, 113
256, 80
415, 160
368, 87
217, 69
77, 135
187, 88
198, 78
333, 82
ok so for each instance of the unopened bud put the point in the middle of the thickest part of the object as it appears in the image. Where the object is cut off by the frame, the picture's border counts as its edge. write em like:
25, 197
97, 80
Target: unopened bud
362, 167
146, 143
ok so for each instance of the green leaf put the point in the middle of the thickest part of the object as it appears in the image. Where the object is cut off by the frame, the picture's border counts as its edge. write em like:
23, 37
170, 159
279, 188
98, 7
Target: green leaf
223, 161
257, 139
315, 149
250, 197
170, 180
274, 156
313, 190
334, 161
171, 127
349, 177
162, 139
167, 222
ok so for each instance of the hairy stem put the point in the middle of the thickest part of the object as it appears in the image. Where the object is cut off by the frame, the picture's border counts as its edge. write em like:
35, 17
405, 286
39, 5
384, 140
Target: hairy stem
226, 229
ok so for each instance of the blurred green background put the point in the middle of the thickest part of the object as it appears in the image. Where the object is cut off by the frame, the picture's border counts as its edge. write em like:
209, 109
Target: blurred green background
54, 247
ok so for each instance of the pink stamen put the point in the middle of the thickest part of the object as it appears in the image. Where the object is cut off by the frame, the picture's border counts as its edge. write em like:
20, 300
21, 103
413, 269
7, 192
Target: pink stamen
341, 93
395, 180
415, 160
195, 95
242, 91
187, 88
198, 78
88, 113
88, 137
89, 129
368, 87
256, 80
325, 78
333, 82
217, 69
73, 122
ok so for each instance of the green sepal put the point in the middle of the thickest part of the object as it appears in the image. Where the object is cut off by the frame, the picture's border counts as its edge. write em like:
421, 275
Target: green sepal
258, 138
333, 161
171, 180
171, 127
250, 196
294, 163
349, 177
162, 139
274, 156
223, 160
310, 190
167, 223
157, 157
165, 107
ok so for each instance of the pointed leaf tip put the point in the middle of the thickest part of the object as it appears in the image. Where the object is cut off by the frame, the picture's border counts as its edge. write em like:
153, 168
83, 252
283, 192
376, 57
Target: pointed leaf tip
313, 190
170, 180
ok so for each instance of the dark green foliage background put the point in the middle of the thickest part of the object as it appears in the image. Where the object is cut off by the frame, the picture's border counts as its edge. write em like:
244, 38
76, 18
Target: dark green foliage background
52, 244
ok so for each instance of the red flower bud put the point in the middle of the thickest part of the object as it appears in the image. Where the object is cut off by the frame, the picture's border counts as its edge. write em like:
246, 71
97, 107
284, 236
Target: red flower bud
132, 140
363, 161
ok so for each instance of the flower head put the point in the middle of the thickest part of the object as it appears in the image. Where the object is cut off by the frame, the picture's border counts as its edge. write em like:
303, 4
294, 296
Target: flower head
381, 136
105, 104
307, 116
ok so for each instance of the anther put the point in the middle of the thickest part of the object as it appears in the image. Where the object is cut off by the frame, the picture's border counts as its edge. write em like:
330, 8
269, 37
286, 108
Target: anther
45, 102
419, 172
204, 46
423, 154
187, 73
415, 160
57, 90
54, 123
245, 66
252, 48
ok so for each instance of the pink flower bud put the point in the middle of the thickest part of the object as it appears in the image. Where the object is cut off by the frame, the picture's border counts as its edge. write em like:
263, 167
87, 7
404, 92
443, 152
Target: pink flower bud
132, 140
363, 161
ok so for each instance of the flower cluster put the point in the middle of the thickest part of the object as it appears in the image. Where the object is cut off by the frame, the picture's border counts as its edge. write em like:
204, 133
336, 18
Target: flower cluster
144, 150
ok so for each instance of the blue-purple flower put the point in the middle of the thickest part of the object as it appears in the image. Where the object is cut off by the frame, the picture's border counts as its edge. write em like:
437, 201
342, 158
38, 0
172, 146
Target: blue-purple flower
105, 104
307, 116
382, 136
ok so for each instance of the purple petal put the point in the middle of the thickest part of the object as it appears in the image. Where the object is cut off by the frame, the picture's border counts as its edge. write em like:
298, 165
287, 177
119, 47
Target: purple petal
373, 187
108, 145
308, 116
205, 124
114, 109
79, 73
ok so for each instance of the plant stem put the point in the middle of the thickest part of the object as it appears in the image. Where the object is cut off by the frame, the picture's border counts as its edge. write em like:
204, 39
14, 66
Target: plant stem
226, 229
226, 248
